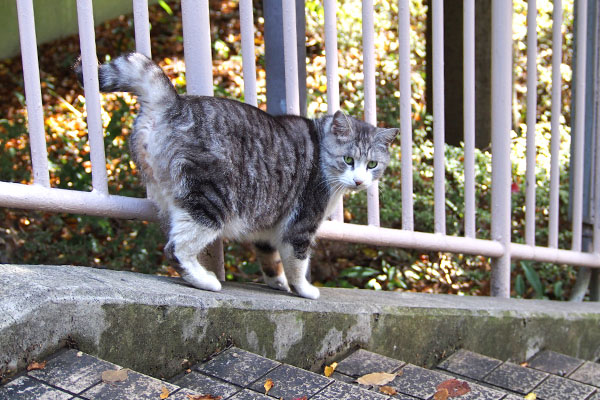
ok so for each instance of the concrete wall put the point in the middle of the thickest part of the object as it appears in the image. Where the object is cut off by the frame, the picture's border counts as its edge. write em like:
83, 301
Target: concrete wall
54, 19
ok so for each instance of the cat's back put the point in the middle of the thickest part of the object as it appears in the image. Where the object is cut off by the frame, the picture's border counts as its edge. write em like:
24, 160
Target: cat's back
236, 159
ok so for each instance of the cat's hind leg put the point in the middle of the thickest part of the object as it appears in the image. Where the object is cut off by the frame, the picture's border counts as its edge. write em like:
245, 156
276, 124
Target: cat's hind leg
187, 239
271, 266
295, 264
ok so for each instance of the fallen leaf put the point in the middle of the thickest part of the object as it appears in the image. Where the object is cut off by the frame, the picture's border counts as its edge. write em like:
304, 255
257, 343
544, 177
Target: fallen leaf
390, 391
441, 394
454, 387
329, 369
531, 396
112, 376
79, 353
268, 385
300, 398
376, 378
164, 394
524, 364
203, 397
36, 365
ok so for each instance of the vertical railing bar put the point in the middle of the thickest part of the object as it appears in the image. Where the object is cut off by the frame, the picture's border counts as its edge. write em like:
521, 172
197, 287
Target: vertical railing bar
469, 114
89, 62
577, 157
557, 21
141, 24
368, 41
290, 55
405, 113
438, 118
197, 47
333, 88
248, 55
501, 126
33, 94
199, 77
531, 122
596, 174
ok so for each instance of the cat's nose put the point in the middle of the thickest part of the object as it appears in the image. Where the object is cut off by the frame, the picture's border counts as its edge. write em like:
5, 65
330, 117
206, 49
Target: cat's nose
358, 182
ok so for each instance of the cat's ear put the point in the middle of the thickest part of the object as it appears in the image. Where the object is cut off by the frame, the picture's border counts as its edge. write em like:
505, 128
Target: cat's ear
340, 126
387, 136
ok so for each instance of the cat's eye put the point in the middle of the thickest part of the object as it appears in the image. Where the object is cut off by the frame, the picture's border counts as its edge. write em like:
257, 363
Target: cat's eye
371, 164
349, 160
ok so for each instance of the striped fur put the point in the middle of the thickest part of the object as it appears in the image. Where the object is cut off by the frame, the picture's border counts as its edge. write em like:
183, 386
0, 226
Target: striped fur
217, 167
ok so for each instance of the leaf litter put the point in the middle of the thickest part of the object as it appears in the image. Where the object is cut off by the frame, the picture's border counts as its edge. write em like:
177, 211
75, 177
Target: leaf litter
36, 365
376, 378
114, 376
451, 388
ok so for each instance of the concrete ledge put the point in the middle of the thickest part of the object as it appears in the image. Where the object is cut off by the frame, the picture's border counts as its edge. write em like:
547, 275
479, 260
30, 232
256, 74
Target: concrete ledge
151, 324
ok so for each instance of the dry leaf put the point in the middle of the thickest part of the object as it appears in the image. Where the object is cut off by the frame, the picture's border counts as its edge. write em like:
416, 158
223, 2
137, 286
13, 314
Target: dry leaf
112, 376
300, 398
36, 365
164, 394
531, 396
390, 391
329, 369
268, 385
454, 387
203, 397
441, 394
376, 378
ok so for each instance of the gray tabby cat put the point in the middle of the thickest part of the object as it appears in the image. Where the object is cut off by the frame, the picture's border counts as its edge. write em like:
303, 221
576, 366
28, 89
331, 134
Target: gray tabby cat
218, 167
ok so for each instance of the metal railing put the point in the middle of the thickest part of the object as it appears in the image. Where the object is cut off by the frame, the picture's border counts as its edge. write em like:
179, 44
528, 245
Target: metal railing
197, 47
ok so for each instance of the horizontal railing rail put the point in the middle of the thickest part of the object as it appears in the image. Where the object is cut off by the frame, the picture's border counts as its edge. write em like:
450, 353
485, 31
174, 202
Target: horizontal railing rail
197, 46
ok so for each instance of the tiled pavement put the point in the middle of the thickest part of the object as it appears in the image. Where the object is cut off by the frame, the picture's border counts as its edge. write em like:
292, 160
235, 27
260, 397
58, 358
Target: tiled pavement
236, 374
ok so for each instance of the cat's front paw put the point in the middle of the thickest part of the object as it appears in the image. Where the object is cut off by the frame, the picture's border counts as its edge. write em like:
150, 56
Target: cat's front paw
307, 290
205, 281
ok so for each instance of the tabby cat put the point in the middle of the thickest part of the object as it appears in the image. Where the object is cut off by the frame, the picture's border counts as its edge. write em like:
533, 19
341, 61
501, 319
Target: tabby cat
218, 167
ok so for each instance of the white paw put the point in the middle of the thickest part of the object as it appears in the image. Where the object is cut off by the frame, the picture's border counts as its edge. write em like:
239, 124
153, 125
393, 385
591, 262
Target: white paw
277, 282
205, 281
307, 290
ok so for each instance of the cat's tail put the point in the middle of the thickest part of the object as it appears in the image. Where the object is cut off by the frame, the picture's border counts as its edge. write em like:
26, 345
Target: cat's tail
137, 74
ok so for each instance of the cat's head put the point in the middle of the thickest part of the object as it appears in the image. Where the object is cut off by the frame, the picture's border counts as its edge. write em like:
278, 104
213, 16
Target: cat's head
354, 153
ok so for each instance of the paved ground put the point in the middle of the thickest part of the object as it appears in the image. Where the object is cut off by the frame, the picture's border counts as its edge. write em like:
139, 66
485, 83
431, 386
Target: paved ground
239, 375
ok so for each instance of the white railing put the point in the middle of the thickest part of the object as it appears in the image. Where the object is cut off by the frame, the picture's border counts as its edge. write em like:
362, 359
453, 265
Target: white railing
41, 196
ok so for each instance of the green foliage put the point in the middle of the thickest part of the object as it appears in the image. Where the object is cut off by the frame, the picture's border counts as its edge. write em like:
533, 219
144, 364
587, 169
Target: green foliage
35, 237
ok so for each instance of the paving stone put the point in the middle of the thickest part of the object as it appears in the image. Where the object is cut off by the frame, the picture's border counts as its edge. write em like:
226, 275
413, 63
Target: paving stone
25, 388
515, 378
182, 394
248, 394
513, 397
73, 370
418, 382
238, 366
479, 392
343, 377
469, 364
596, 396
291, 382
555, 363
345, 391
559, 388
136, 386
588, 373
204, 384
363, 362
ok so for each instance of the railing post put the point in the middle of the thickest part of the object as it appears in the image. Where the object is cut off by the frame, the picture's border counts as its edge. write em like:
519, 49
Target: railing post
198, 60
501, 126
274, 54
33, 94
